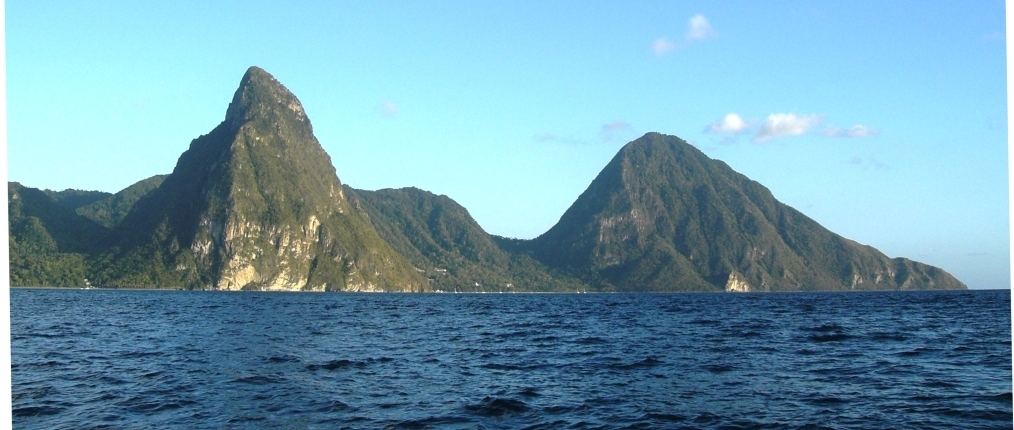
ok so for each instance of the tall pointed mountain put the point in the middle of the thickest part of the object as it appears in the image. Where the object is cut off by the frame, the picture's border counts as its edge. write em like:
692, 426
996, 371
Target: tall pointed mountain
662, 216
254, 204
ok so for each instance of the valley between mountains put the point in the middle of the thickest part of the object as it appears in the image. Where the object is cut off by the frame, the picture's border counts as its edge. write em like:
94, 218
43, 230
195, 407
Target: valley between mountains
256, 204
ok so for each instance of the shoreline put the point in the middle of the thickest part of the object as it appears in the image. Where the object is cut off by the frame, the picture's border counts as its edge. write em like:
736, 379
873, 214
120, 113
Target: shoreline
501, 292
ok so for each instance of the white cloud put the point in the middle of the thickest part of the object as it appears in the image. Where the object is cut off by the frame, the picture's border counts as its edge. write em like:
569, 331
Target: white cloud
786, 124
857, 131
699, 28
661, 46
732, 123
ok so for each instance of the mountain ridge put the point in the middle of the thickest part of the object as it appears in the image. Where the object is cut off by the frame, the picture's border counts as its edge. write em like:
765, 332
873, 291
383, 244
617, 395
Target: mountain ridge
257, 204
444, 243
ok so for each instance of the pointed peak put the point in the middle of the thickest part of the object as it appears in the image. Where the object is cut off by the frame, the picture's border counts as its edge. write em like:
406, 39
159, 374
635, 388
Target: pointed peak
654, 144
658, 139
257, 78
258, 94
255, 72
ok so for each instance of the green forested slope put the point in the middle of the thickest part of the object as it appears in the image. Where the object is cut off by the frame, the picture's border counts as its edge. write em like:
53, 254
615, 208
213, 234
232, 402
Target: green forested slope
73, 199
662, 216
110, 210
444, 243
48, 242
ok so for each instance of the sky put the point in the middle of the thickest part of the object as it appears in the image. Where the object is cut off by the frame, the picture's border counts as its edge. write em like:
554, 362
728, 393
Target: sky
885, 121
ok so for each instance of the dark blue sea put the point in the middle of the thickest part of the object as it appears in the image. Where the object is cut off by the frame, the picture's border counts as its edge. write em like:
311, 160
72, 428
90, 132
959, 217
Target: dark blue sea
171, 359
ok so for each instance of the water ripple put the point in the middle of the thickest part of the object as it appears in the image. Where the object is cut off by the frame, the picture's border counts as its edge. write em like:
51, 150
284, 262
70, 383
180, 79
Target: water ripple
162, 359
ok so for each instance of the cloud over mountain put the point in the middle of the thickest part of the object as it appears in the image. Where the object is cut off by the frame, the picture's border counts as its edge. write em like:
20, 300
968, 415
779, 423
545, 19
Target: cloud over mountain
786, 124
783, 124
731, 123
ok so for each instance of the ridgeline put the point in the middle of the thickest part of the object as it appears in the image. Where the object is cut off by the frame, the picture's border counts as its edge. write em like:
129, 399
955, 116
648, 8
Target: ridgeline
256, 204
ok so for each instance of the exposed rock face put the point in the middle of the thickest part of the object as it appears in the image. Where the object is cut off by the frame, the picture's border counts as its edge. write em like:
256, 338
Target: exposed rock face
737, 284
256, 204
662, 216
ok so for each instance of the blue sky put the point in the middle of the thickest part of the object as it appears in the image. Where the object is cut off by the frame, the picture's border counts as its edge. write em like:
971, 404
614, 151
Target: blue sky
883, 121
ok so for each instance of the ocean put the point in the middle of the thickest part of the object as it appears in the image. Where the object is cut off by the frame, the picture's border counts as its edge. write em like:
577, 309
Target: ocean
176, 359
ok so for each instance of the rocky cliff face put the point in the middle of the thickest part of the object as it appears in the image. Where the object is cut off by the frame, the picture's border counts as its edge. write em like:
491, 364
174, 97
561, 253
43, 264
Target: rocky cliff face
255, 204
662, 216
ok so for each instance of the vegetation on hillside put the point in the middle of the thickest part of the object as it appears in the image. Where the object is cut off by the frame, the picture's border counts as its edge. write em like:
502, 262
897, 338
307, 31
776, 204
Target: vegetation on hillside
73, 199
662, 216
110, 210
444, 243
256, 204
48, 242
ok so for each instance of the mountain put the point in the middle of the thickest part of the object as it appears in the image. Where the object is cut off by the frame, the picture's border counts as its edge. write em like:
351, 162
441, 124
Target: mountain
444, 243
48, 242
110, 210
662, 216
254, 204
